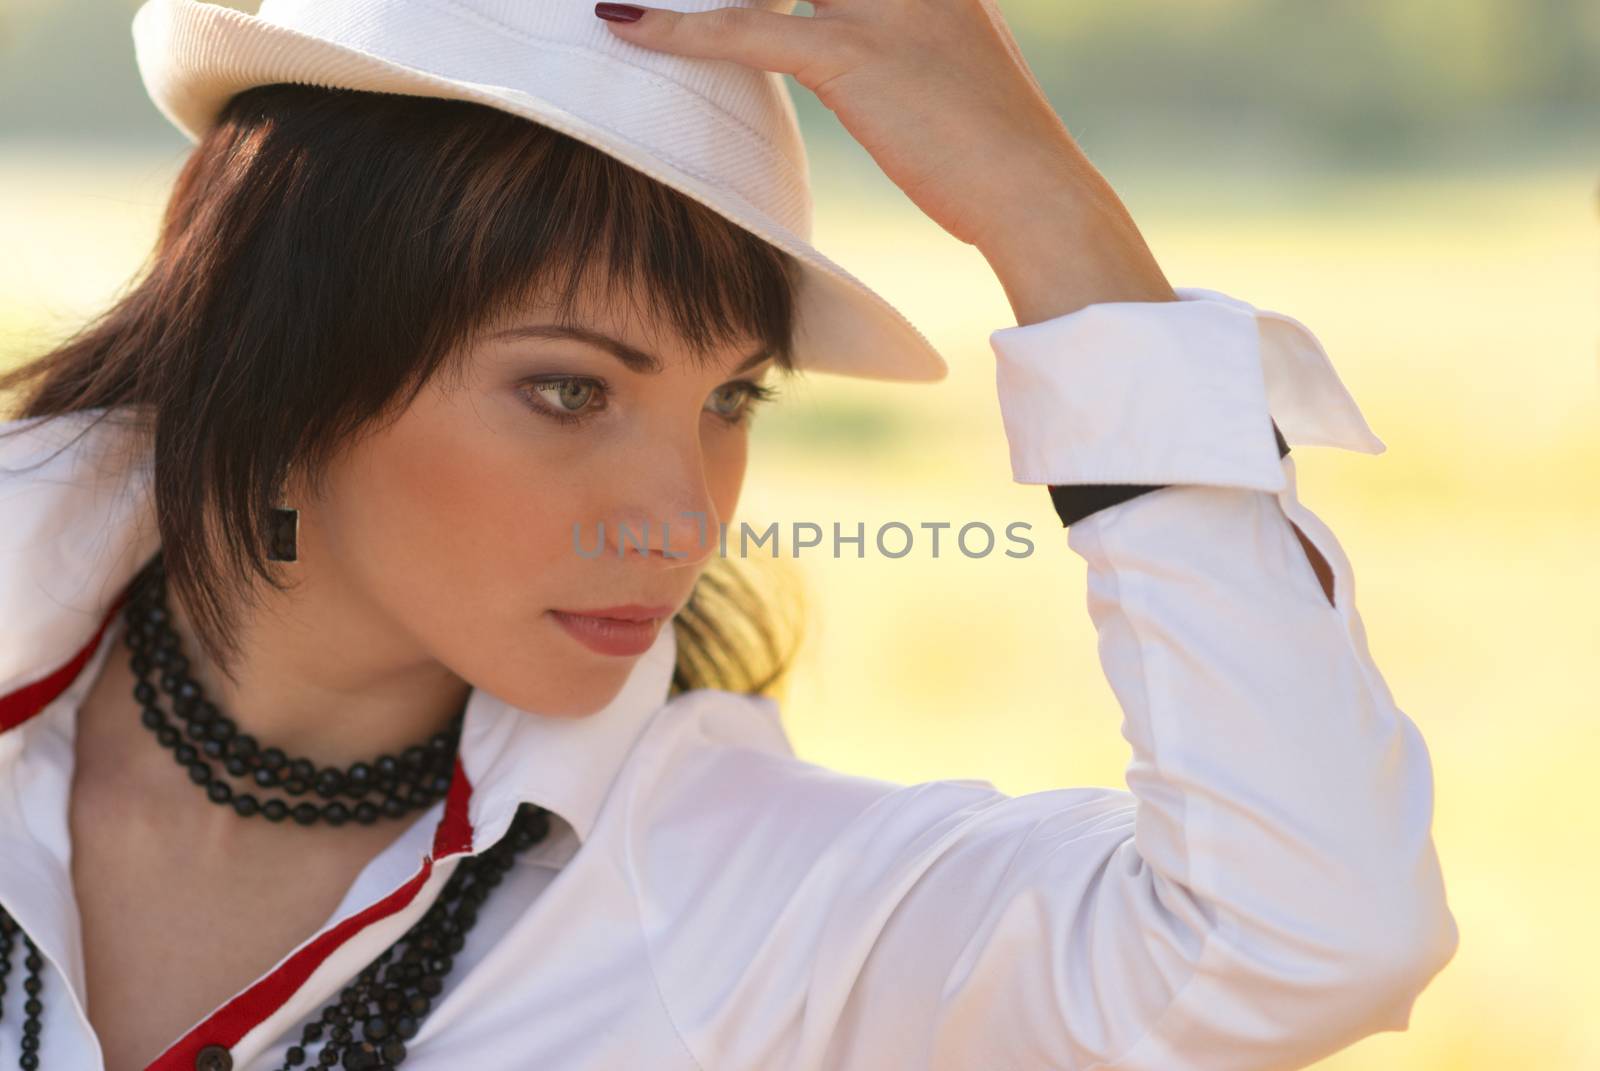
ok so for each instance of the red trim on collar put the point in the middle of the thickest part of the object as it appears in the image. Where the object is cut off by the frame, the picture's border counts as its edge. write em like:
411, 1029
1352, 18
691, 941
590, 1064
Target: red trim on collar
233, 1020
454, 831
237, 1017
30, 699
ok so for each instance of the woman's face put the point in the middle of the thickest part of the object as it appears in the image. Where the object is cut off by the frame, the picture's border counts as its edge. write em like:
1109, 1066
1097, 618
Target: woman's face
470, 522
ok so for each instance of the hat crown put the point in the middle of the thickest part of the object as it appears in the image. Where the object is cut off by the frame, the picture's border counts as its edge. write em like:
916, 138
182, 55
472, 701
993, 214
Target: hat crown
575, 17
731, 125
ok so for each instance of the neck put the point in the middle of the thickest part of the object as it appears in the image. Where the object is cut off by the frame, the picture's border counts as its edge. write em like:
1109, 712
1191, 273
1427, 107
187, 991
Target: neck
324, 677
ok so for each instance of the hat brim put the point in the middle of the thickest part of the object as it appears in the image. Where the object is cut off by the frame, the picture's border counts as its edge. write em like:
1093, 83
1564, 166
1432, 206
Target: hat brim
193, 57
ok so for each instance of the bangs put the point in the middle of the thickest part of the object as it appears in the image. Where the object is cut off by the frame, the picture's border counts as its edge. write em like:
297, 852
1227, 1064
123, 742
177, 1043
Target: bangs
571, 225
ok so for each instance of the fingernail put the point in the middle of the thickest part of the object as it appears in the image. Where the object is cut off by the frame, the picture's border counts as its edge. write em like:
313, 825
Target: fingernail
619, 12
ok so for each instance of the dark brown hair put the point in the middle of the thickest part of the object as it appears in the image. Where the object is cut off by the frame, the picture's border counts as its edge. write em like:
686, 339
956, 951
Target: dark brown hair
323, 254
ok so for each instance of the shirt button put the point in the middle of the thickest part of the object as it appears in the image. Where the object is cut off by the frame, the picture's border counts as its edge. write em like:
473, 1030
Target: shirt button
213, 1058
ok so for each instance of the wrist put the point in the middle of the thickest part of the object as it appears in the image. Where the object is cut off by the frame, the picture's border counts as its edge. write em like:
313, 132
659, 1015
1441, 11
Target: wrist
1068, 246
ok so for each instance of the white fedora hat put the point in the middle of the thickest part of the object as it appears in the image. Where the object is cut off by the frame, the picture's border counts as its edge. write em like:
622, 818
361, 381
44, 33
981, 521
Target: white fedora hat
722, 133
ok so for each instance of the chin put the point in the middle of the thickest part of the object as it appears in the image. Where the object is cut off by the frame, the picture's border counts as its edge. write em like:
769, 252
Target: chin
590, 696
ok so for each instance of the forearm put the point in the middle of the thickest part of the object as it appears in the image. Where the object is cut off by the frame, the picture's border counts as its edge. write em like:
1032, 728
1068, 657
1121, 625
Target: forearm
1066, 242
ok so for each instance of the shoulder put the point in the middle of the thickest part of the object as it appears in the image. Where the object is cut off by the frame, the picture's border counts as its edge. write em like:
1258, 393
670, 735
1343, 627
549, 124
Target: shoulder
715, 764
716, 781
723, 816
711, 757
732, 839
763, 880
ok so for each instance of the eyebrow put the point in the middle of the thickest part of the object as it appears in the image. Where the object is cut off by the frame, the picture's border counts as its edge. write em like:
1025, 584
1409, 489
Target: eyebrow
635, 359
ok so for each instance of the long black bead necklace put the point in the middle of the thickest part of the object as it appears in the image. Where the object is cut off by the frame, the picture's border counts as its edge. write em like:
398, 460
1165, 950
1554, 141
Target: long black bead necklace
367, 1026
377, 1013
32, 987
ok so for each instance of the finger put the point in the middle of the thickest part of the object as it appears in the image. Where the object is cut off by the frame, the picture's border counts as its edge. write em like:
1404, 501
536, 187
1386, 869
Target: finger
751, 36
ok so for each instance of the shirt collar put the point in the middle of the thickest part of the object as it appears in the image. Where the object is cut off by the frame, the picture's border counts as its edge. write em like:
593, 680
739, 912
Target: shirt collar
80, 523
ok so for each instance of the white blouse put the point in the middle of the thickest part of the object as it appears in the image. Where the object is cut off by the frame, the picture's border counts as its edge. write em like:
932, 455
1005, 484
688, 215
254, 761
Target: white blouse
1264, 893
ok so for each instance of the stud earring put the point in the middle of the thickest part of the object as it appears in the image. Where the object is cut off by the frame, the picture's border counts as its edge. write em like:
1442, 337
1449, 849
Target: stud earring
283, 533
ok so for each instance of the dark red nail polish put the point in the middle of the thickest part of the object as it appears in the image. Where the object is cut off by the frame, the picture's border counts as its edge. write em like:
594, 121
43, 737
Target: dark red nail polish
619, 12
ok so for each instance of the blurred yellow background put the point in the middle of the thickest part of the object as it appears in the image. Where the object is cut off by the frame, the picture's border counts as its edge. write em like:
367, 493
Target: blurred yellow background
1456, 291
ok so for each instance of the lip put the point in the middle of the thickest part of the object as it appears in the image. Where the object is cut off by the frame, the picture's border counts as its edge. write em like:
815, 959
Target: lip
628, 612
616, 636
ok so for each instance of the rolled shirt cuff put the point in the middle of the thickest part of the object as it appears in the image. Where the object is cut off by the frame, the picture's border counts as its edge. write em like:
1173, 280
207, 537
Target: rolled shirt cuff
1157, 393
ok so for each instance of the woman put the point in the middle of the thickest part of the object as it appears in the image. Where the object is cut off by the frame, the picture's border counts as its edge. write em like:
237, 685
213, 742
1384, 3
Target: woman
449, 794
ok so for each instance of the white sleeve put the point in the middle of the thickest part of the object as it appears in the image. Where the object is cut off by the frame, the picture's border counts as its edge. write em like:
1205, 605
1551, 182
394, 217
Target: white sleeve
1269, 891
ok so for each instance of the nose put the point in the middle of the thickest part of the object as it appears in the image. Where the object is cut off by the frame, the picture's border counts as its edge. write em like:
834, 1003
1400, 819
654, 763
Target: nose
684, 537
670, 516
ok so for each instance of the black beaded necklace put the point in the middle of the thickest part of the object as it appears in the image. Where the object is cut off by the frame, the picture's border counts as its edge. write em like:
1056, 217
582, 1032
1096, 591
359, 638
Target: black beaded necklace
413, 780
368, 1025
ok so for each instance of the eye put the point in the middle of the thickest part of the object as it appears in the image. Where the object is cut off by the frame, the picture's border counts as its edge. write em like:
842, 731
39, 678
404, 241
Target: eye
566, 397
736, 402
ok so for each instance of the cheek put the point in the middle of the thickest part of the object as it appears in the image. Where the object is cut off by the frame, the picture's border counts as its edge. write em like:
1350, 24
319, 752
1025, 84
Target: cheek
725, 469
469, 513
463, 537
